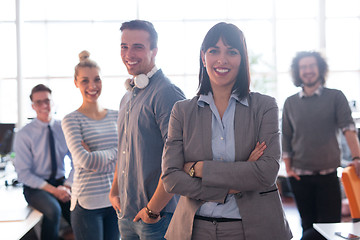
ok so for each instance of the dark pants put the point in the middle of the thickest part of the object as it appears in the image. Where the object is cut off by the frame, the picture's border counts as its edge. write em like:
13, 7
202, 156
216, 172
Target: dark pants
96, 224
318, 199
51, 208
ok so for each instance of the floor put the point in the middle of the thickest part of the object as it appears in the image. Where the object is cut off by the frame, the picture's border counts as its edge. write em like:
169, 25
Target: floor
293, 217
65, 233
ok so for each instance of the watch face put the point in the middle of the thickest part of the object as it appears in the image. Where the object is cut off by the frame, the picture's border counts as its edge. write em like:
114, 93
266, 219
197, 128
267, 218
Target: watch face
192, 172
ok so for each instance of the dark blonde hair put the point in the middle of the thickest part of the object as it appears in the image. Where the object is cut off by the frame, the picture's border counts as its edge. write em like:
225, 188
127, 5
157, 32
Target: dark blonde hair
85, 61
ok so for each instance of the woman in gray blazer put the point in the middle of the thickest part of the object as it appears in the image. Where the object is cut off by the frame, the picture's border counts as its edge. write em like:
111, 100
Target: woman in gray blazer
212, 156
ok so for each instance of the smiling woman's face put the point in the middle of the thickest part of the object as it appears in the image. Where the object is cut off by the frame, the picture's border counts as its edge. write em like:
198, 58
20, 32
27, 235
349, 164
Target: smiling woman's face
89, 83
222, 64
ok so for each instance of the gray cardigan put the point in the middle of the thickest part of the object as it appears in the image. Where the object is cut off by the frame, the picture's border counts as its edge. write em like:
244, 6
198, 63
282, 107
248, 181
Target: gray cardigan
189, 139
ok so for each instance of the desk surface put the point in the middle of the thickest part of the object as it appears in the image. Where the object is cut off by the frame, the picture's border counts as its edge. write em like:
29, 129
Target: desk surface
16, 217
16, 229
328, 229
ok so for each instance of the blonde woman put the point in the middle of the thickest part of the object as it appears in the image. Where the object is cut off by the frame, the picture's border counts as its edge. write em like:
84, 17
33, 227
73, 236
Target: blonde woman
91, 135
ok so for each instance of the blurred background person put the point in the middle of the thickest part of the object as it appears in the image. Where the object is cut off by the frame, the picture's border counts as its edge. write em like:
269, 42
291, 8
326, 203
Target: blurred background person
311, 123
40, 149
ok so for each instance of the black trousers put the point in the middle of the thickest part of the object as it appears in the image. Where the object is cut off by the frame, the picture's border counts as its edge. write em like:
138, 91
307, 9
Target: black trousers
318, 199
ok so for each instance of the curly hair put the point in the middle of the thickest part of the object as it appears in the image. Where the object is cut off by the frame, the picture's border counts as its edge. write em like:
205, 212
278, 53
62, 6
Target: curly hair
321, 63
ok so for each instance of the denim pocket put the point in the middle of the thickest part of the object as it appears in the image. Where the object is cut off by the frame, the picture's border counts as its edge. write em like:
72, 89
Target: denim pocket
162, 219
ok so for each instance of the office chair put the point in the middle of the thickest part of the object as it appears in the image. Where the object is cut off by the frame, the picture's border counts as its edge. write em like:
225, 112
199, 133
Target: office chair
351, 183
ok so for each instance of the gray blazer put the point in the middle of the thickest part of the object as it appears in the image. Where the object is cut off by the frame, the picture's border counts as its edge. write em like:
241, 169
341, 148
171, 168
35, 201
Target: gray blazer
189, 139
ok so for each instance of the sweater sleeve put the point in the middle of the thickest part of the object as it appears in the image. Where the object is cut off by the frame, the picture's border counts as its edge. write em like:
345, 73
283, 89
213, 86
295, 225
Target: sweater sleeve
343, 111
99, 161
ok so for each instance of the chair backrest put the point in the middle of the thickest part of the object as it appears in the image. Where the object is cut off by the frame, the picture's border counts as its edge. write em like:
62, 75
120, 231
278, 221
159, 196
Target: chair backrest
351, 183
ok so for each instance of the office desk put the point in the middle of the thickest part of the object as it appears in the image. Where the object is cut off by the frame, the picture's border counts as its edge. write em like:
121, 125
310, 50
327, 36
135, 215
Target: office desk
16, 217
328, 229
15, 230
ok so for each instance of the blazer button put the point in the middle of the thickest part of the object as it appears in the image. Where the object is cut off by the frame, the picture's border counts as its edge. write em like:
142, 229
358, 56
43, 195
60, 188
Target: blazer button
238, 195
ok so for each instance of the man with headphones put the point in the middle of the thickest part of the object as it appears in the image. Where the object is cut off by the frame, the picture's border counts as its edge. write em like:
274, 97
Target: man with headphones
137, 193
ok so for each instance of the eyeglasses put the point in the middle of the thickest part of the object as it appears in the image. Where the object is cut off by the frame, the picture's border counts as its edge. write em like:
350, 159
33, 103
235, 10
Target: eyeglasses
39, 103
311, 67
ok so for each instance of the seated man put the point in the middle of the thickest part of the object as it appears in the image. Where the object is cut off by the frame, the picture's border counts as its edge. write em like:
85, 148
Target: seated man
40, 149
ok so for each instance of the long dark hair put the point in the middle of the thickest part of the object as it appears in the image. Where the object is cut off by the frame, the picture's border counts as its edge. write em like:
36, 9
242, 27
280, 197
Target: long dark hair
232, 36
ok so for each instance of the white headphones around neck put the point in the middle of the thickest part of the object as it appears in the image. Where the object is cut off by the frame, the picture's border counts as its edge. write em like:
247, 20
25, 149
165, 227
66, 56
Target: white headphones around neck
140, 81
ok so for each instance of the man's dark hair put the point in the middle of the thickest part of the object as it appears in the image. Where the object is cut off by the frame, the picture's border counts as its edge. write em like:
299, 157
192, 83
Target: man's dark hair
39, 88
142, 25
321, 63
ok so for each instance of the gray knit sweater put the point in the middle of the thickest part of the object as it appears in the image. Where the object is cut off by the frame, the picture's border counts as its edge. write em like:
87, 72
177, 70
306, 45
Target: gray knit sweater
310, 127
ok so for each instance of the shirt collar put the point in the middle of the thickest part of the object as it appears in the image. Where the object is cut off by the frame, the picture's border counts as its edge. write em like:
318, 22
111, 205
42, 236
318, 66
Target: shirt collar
317, 92
44, 124
208, 98
152, 72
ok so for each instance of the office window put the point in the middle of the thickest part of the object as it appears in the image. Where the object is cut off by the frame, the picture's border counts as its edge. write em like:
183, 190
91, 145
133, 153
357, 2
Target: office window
7, 10
7, 50
8, 101
8, 86
54, 32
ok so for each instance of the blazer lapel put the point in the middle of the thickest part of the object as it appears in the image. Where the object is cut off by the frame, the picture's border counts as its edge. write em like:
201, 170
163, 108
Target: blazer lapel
206, 120
241, 125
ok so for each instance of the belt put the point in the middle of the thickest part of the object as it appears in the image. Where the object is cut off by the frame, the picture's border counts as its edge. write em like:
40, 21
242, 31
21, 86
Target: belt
56, 182
211, 219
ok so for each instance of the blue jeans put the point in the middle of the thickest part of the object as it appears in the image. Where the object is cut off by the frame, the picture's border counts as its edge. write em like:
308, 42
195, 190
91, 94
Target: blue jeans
96, 224
130, 230
51, 208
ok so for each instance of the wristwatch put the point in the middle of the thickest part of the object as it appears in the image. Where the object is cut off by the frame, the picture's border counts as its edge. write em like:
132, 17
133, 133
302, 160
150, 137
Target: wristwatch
192, 170
151, 214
